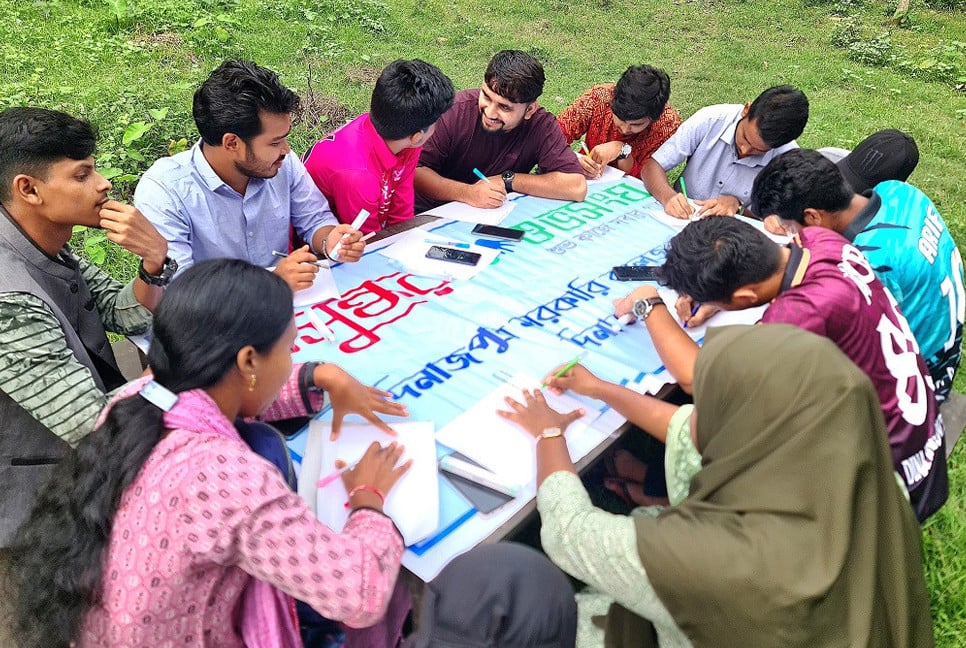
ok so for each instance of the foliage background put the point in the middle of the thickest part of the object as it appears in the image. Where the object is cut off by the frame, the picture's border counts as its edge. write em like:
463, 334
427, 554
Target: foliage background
131, 66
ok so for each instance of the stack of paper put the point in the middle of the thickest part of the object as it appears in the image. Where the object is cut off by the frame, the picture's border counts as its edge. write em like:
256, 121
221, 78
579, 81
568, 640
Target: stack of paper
467, 213
413, 504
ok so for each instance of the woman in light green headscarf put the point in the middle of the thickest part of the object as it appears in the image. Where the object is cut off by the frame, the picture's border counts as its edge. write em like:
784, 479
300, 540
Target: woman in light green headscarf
795, 532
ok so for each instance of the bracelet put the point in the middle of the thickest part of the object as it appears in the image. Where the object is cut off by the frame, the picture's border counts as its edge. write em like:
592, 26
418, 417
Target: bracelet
325, 252
366, 487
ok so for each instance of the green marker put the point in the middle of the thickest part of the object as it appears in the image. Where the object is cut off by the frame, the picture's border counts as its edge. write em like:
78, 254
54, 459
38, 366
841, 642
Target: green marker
567, 367
684, 192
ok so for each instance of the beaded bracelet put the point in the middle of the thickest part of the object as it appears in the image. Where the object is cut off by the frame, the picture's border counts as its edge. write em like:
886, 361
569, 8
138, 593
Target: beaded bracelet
366, 487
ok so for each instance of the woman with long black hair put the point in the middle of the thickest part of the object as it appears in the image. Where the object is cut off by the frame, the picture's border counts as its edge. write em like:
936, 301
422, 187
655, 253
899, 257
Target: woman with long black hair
165, 528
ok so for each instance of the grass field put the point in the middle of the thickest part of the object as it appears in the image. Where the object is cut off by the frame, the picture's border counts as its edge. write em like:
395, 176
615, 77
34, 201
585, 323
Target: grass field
131, 67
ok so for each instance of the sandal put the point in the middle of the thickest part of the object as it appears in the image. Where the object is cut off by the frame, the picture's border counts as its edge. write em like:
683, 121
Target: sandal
632, 493
625, 457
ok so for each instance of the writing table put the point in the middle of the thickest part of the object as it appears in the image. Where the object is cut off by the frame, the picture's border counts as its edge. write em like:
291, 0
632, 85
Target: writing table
441, 346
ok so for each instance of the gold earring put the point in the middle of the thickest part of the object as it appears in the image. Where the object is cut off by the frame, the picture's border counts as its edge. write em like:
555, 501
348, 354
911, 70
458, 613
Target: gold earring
251, 384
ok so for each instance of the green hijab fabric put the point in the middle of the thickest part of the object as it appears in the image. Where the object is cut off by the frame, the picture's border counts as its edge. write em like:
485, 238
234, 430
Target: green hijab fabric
795, 532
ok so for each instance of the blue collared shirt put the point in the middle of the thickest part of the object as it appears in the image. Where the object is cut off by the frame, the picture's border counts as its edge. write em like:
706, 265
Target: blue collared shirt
707, 141
203, 218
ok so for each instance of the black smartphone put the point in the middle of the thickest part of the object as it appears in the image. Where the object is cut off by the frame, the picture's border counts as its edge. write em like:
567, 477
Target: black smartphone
635, 273
498, 232
453, 255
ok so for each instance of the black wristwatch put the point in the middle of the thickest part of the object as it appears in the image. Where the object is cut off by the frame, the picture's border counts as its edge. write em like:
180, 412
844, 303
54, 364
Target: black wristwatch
625, 152
167, 272
508, 177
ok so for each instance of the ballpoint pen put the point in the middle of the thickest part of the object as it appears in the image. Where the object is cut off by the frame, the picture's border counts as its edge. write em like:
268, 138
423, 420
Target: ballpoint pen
479, 174
282, 255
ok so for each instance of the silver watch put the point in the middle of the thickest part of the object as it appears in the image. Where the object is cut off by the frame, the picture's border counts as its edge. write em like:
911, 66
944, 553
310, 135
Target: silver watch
643, 307
625, 151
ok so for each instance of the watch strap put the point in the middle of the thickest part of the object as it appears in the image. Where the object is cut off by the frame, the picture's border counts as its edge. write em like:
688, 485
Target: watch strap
168, 268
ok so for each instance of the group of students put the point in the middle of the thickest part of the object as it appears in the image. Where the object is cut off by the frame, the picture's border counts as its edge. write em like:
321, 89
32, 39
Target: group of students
173, 518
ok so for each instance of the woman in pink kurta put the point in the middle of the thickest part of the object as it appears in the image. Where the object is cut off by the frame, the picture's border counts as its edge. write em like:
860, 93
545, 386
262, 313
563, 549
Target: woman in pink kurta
166, 529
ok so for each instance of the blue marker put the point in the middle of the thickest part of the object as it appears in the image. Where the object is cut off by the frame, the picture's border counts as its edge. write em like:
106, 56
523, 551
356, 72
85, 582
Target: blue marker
479, 174
454, 244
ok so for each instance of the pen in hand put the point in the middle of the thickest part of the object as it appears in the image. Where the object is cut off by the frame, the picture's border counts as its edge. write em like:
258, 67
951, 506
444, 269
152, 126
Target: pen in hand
282, 255
694, 311
684, 192
479, 174
567, 367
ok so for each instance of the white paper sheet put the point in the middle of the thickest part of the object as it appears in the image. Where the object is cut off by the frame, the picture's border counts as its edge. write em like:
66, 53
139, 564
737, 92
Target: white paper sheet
413, 504
609, 173
322, 289
411, 250
463, 212
504, 448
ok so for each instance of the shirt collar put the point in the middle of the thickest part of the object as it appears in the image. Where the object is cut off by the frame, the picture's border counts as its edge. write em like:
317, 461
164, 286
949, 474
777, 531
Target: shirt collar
729, 132
862, 219
797, 264
387, 159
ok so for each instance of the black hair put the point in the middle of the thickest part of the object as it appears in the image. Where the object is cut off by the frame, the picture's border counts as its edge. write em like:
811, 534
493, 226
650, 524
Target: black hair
781, 113
232, 97
515, 75
409, 97
209, 313
711, 258
796, 180
31, 139
642, 91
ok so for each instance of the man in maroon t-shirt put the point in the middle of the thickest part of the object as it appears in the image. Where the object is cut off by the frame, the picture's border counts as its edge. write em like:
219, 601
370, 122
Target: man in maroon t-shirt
498, 132
825, 285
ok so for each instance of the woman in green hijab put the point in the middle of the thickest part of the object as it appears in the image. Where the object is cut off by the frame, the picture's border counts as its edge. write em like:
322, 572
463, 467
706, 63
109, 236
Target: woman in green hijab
795, 531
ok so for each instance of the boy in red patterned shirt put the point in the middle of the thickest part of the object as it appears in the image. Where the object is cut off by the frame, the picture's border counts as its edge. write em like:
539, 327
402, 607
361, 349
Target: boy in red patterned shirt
623, 123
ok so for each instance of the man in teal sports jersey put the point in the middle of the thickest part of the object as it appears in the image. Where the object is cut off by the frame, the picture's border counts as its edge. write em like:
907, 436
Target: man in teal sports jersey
899, 230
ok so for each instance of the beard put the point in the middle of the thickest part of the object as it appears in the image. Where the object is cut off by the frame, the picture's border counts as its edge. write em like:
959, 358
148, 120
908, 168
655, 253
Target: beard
250, 169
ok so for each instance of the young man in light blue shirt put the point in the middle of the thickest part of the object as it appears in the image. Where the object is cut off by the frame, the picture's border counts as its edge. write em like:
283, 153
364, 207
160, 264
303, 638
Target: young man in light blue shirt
725, 147
239, 190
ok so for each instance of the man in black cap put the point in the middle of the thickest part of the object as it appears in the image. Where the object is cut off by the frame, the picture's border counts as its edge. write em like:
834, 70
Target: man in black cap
898, 229
884, 155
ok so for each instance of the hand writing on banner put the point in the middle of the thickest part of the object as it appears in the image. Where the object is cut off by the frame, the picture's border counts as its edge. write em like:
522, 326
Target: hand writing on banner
690, 317
577, 379
349, 396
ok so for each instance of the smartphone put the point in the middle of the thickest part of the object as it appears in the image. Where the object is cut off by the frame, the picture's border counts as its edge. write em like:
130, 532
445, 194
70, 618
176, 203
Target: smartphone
635, 273
453, 255
498, 232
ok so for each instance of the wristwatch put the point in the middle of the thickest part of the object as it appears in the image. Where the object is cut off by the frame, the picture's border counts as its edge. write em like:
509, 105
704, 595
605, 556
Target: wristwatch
168, 269
508, 177
550, 433
643, 307
625, 151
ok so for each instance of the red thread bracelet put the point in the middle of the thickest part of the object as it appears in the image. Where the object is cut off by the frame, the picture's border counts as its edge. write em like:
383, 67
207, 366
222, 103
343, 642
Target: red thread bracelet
366, 487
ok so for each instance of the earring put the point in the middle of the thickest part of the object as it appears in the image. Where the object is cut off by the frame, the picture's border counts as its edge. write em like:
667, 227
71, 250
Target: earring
251, 383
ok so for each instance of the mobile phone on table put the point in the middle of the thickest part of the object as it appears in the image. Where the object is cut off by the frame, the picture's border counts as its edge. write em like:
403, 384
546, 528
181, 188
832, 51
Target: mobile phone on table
498, 232
453, 255
635, 273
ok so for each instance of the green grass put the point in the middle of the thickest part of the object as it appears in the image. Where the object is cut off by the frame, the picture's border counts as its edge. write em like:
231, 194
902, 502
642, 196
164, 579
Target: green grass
861, 74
